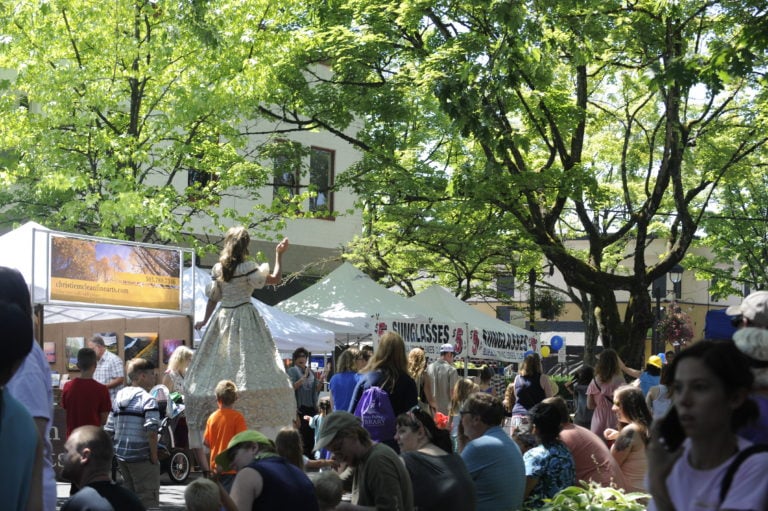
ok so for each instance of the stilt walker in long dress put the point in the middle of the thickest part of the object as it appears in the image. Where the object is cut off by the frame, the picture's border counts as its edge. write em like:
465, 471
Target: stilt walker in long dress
237, 346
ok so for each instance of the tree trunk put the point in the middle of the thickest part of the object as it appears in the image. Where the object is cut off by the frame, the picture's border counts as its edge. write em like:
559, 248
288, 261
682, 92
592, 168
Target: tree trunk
626, 336
590, 330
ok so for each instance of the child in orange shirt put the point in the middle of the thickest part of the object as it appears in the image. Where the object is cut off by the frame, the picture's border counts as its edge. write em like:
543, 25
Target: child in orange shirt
221, 426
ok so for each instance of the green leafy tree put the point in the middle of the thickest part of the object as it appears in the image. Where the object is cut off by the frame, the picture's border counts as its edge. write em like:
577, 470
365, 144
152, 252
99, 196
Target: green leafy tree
136, 119
737, 236
610, 122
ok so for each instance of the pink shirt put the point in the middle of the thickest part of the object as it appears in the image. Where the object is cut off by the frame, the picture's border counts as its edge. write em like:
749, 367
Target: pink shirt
592, 458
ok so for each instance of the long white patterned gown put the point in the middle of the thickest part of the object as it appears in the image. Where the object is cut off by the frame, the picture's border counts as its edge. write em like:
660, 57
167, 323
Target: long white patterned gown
237, 346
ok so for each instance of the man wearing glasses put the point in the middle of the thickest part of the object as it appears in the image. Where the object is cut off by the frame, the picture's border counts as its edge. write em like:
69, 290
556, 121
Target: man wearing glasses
379, 479
493, 459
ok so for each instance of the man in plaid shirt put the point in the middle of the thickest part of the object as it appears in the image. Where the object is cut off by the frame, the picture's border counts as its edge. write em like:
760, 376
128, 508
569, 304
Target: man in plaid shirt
133, 424
109, 367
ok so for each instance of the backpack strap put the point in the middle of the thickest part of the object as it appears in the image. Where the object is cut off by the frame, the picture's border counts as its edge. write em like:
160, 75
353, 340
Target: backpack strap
734, 466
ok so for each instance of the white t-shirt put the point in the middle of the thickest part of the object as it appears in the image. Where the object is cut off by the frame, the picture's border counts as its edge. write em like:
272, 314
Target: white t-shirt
699, 490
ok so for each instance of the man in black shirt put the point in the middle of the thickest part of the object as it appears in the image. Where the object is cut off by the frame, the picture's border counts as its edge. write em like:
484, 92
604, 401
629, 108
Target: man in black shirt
88, 464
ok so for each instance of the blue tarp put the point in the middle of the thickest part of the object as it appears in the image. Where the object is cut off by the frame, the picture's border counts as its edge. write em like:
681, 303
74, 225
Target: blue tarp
717, 325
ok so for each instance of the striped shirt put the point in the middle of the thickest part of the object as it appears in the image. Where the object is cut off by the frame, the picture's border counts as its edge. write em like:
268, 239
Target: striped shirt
134, 414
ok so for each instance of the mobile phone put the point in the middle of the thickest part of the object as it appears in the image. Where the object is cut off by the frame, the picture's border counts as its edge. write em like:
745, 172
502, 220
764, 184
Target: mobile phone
671, 432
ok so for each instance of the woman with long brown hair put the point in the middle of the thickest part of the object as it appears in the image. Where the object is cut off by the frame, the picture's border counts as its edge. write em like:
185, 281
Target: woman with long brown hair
607, 379
237, 346
696, 458
632, 436
388, 370
532, 386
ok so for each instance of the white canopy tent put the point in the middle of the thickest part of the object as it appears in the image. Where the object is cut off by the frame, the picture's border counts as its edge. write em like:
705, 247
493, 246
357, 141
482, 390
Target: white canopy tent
490, 338
348, 302
288, 331
26, 250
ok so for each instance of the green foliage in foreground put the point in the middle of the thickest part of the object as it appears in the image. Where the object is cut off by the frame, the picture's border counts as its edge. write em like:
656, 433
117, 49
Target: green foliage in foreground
594, 497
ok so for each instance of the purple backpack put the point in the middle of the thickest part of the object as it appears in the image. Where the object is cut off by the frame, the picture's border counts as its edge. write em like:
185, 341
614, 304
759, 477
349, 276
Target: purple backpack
376, 414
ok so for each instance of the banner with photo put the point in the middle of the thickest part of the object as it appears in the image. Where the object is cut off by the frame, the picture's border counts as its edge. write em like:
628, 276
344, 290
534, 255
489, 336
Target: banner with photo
428, 335
87, 270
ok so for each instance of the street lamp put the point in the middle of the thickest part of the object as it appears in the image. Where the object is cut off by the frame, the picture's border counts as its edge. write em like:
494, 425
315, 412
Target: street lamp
676, 276
658, 289
532, 300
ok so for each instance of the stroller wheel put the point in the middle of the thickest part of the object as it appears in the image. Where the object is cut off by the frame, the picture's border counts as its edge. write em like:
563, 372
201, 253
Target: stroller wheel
179, 466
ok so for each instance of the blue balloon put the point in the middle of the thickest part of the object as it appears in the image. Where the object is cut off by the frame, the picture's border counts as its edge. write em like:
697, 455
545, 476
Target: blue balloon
529, 352
556, 342
663, 357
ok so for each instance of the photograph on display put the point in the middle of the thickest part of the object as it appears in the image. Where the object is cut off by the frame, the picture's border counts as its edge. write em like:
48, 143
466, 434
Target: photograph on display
71, 346
143, 345
169, 346
49, 347
110, 341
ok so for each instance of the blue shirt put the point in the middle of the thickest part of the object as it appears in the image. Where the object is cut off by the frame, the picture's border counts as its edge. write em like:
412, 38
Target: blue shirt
553, 466
647, 381
18, 441
342, 385
496, 465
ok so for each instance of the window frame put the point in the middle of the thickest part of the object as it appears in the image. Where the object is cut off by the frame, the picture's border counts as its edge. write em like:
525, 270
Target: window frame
331, 171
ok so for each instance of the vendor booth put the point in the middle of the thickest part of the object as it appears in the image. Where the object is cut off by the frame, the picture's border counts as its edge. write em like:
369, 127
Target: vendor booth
357, 309
488, 338
138, 297
62, 323
130, 293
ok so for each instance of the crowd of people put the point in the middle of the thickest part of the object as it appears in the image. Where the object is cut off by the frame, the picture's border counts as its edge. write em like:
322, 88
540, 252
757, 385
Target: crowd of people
394, 431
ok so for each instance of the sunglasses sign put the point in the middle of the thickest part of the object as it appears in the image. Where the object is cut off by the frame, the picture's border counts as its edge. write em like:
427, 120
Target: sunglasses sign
472, 343
428, 335
506, 346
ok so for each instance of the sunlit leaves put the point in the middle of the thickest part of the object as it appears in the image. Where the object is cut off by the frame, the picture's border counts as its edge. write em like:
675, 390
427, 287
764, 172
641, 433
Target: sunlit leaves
126, 99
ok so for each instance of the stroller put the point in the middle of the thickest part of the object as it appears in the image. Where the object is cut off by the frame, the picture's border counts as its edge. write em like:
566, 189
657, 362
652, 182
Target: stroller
174, 459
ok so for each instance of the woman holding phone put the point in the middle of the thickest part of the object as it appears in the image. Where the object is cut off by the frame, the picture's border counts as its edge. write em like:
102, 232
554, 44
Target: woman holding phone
710, 384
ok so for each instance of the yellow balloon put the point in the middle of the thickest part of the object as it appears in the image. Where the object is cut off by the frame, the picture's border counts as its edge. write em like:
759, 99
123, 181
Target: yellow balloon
545, 351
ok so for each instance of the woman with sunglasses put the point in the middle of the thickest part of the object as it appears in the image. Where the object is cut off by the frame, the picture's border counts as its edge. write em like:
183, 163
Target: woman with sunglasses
441, 477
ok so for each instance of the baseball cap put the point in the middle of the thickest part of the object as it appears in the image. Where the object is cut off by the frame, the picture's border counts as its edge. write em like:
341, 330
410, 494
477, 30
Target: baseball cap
447, 348
225, 458
655, 361
753, 342
754, 307
333, 424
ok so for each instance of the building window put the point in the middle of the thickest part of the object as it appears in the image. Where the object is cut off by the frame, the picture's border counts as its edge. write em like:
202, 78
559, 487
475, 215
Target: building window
321, 179
286, 178
505, 284
199, 177
503, 313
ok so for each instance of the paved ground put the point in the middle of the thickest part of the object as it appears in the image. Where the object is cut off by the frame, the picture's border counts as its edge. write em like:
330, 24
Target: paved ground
171, 495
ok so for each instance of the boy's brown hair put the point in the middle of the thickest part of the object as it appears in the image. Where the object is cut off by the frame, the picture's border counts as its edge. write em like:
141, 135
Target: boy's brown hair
226, 392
